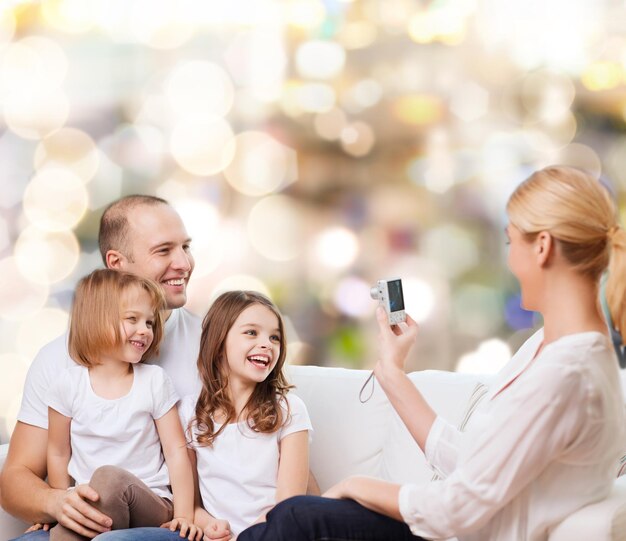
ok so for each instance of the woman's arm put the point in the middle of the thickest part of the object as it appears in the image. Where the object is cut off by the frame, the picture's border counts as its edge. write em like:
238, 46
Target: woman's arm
293, 467
59, 449
375, 494
394, 346
175, 452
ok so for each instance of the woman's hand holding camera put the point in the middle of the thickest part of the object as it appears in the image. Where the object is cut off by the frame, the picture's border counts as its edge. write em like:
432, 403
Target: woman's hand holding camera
394, 344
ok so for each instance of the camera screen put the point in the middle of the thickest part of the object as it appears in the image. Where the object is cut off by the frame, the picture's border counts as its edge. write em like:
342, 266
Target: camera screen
396, 299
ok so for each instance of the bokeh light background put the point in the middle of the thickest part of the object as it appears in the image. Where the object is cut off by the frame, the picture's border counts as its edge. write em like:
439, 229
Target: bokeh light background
312, 147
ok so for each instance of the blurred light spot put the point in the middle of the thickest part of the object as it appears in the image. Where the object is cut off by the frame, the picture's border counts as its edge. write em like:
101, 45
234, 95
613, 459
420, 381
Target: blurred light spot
436, 171
274, 228
45, 257
357, 139
352, 297
358, 34
203, 149
314, 97
48, 323
197, 90
16, 157
560, 131
489, 358
55, 199
478, 310
452, 247
319, 59
107, 183
14, 370
330, 124
419, 298
469, 101
173, 188
202, 221
366, 93
71, 149
444, 24
240, 281
136, 147
73, 16
7, 26
19, 297
602, 76
547, 96
32, 62
10, 414
36, 112
159, 23
261, 164
516, 317
578, 155
305, 14
257, 59
4, 235
336, 247
418, 109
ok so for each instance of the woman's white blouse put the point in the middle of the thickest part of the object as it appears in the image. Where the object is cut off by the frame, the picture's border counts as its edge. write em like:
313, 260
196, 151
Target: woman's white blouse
544, 442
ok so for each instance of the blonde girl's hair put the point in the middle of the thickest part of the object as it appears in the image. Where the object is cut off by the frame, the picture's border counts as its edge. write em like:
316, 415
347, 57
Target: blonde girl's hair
97, 312
263, 411
580, 214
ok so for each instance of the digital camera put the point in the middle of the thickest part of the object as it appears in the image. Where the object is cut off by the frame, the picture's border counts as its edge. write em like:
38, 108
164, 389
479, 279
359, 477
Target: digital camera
389, 294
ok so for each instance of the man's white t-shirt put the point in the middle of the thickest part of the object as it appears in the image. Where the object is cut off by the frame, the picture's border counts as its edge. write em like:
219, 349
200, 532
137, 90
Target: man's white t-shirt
238, 474
118, 432
178, 357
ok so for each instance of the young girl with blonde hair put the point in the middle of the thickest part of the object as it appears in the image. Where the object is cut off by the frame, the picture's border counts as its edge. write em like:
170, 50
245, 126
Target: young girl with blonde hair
248, 438
113, 421
546, 439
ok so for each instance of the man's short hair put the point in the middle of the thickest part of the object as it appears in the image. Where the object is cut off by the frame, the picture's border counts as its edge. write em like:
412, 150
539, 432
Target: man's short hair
113, 232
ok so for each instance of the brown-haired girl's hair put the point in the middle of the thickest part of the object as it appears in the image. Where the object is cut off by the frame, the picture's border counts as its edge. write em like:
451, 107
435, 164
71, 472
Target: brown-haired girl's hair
263, 410
580, 214
96, 314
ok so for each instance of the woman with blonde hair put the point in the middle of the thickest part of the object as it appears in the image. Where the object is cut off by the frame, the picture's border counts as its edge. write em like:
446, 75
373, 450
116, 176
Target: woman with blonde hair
546, 438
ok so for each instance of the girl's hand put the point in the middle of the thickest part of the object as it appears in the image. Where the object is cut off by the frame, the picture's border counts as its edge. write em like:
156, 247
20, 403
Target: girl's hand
187, 528
217, 530
394, 343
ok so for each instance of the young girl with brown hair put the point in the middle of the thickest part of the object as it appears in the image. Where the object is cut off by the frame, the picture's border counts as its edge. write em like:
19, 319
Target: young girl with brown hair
113, 421
248, 436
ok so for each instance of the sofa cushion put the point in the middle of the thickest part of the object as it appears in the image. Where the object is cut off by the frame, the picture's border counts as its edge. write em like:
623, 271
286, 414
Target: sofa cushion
348, 436
449, 395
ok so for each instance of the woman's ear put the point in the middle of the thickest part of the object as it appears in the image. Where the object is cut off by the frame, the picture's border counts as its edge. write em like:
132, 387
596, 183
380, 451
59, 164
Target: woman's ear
544, 247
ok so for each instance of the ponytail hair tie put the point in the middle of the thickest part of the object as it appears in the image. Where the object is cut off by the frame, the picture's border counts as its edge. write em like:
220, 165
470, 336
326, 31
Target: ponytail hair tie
610, 234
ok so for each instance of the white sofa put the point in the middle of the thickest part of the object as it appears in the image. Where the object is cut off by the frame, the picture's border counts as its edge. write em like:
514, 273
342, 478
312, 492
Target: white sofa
355, 438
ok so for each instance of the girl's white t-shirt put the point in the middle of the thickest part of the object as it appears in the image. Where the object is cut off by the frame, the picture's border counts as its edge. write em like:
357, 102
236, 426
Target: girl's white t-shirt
119, 432
238, 474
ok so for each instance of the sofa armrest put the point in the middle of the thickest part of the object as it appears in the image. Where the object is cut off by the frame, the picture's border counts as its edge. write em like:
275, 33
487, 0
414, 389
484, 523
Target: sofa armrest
10, 526
601, 521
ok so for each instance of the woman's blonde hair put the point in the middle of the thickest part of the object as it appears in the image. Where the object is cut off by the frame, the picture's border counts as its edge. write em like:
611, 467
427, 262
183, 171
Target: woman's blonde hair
579, 213
96, 314
263, 411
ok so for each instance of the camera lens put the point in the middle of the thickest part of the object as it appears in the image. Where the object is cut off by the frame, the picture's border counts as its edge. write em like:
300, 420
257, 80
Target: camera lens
374, 293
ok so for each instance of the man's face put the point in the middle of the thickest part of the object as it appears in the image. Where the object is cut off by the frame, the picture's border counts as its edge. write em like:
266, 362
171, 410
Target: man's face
158, 246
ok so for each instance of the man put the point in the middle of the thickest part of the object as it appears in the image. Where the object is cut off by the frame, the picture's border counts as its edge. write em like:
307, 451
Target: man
146, 236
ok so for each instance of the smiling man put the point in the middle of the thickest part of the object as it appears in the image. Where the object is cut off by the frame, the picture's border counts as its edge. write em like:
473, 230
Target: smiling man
139, 234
